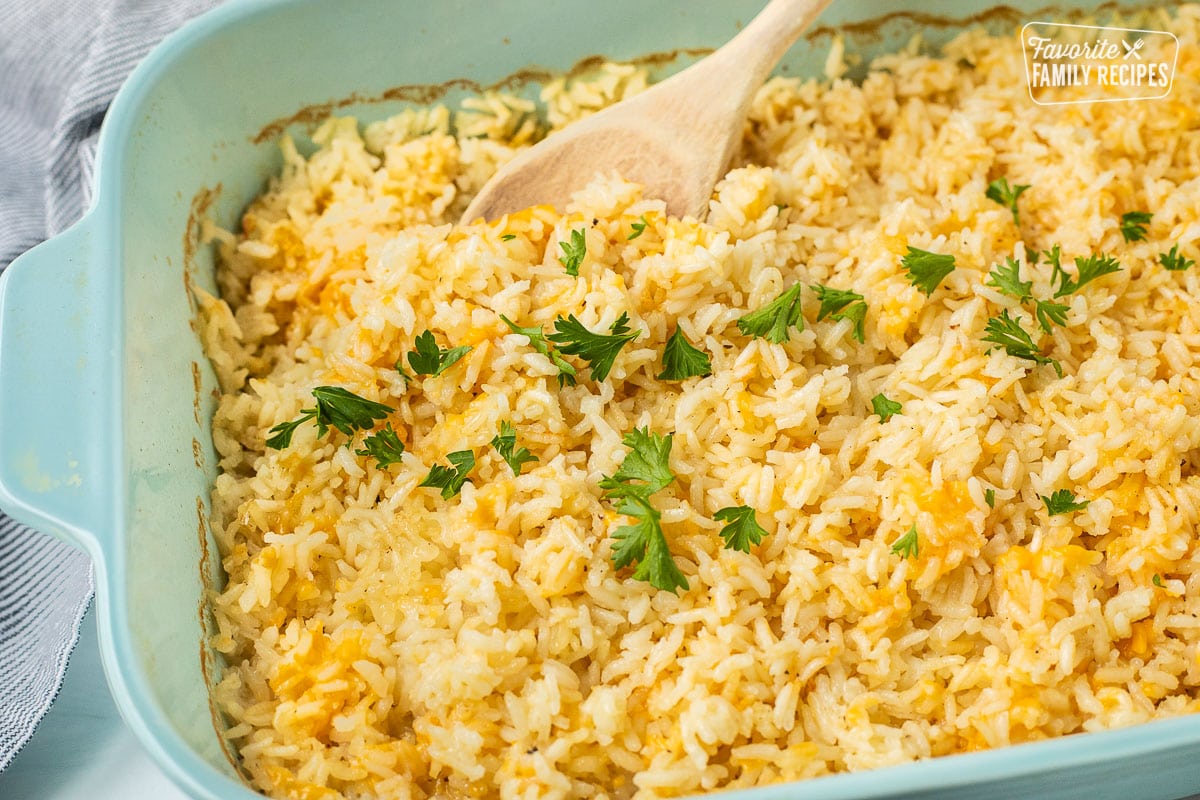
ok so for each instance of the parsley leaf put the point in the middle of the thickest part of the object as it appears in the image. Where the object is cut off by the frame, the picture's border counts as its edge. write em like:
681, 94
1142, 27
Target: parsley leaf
646, 544
840, 304
989, 497
743, 529
1173, 261
1050, 313
336, 408
598, 349
772, 320
573, 252
1006, 332
282, 433
429, 359
886, 409
505, 443
925, 269
638, 228
1000, 192
1063, 501
1157, 580
537, 339
683, 360
648, 461
1088, 269
908, 545
385, 446
451, 479
1133, 225
1007, 278
508, 237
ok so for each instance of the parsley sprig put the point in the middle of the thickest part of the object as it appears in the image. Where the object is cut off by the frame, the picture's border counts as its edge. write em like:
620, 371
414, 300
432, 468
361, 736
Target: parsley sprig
1133, 225
505, 443
908, 545
385, 446
598, 349
1006, 332
427, 358
451, 479
573, 252
1000, 192
1007, 278
885, 408
537, 340
1174, 261
645, 470
638, 228
839, 304
683, 360
1087, 270
773, 320
1063, 501
336, 408
925, 269
742, 530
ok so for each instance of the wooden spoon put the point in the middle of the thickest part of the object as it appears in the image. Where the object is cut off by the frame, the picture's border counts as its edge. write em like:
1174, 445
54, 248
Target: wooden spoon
676, 138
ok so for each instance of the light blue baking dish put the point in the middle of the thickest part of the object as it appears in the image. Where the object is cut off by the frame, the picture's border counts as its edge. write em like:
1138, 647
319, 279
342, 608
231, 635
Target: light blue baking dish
107, 400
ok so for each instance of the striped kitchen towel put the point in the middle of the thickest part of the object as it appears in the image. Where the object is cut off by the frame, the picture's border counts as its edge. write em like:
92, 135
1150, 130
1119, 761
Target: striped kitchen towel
61, 62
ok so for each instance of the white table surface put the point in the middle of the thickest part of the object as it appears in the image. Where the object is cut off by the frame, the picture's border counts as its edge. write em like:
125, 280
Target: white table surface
82, 750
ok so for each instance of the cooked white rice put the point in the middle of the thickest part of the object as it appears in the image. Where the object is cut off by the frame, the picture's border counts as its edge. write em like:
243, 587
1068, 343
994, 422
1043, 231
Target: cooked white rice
384, 642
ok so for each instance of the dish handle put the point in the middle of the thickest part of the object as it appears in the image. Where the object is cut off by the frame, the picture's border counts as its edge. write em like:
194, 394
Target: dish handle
56, 384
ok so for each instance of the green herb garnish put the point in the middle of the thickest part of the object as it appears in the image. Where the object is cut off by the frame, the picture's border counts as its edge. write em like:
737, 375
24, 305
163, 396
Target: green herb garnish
1173, 261
989, 497
1063, 501
429, 359
683, 360
336, 408
645, 470
1133, 225
537, 339
925, 269
598, 349
1007, 333
1157, 580
505, 443
840, 304
1049, 313
451, 479
508, 237
573, 252
1000, 192
886, 409
907, 546
742, 529
772, 320
1088, 269
645, 543
638, 228
1007, 278
385, 446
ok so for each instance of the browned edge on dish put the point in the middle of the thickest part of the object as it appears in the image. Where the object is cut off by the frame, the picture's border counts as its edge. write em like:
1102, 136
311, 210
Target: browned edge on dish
871, 30
424, 94
198, 210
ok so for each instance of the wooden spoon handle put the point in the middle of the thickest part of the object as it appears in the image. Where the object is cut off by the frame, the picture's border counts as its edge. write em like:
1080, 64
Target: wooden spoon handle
764, 41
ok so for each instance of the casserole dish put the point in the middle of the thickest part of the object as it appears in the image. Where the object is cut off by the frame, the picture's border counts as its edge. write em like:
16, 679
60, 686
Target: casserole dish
108, 442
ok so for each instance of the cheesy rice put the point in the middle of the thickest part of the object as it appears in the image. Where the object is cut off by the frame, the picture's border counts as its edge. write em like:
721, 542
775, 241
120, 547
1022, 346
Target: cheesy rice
383, 641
